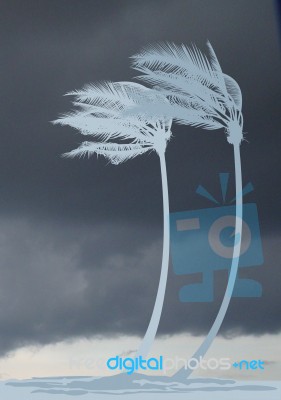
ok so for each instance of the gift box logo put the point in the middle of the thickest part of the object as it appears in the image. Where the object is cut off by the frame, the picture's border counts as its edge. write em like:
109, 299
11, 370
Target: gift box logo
203, 241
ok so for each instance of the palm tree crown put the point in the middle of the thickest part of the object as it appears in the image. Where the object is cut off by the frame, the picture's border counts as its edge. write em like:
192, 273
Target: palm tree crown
199, 93
118, 137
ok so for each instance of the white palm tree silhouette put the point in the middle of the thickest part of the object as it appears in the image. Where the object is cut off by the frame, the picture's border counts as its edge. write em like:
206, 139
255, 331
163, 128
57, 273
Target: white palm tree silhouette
200, 95
120, 137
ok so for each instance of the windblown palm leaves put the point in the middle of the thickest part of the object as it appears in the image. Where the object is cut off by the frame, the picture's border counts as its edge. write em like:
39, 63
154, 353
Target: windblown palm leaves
117, 138
199, 95
108, 113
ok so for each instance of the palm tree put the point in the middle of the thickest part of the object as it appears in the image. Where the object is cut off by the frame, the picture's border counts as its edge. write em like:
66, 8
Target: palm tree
120, 137
200, 95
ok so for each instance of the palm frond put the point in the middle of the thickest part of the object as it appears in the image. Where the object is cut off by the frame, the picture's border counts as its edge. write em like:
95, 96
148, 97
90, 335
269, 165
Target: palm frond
197, 121
178, 60
180, 84
214, 62
113, 152
181, 112
104, 128
98, 111
110, 94
233, 90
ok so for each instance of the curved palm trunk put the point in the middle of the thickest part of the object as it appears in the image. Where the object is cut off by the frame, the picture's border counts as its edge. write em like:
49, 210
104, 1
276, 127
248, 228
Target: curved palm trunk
183, 373
158, 305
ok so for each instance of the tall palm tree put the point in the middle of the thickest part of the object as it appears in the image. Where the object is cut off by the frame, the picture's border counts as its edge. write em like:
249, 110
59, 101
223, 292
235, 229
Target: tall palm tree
120, 137
200, 95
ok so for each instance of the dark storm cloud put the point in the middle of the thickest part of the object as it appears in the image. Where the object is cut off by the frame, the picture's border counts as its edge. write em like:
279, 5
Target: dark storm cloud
68, 225
60, 281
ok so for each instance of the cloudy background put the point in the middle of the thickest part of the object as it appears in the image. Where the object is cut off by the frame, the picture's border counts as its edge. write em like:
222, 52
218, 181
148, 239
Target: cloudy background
81, 240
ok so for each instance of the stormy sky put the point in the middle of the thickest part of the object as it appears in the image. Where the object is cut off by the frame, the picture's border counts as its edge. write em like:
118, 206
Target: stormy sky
80, 239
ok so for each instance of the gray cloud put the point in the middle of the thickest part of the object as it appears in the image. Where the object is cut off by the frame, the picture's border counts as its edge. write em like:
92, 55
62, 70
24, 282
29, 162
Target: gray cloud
60, 282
